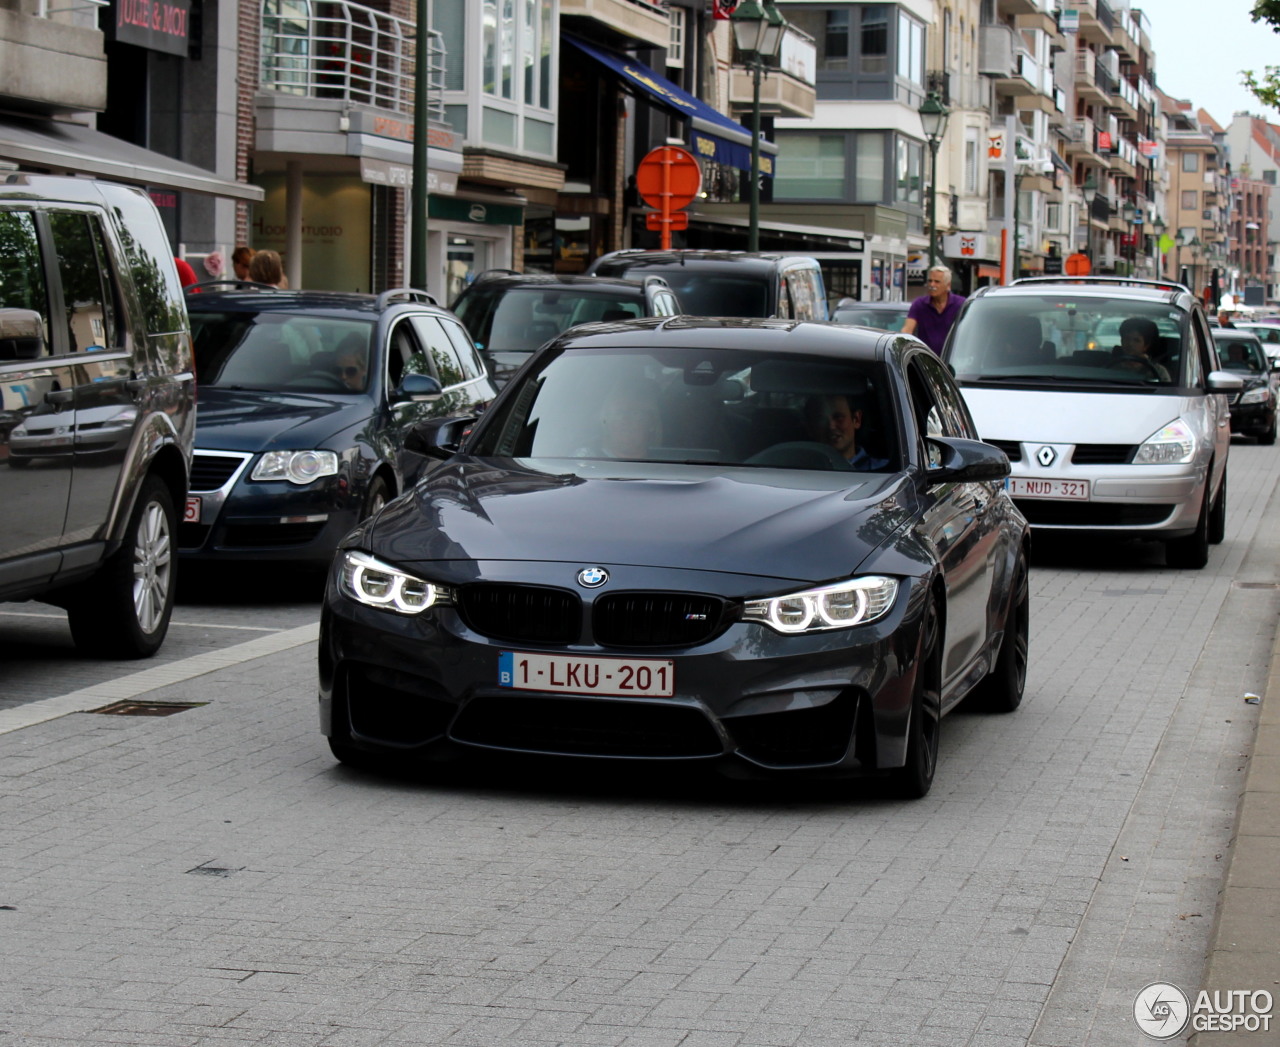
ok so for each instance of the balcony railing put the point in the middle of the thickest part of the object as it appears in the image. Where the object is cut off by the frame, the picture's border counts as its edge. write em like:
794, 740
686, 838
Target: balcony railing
351, 53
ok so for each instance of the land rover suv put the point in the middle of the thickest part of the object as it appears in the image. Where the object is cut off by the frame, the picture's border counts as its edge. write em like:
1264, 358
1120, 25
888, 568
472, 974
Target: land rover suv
96, 408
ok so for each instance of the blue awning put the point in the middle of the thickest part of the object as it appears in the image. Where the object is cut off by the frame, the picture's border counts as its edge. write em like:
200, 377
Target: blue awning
712, 135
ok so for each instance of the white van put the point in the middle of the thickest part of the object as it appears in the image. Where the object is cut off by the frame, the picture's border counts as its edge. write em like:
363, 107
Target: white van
1105, 394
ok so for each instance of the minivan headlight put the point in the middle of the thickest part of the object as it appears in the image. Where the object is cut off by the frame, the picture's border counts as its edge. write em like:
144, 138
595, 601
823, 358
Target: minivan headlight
839, 606
369, 581
1174, 444
298, 467
1257, 396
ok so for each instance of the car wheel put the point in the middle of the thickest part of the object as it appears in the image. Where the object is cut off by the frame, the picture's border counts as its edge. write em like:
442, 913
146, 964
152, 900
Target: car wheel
1218, 514
124, 610
915, 777
1269, 437
376, 497
1001, 691
1192, 551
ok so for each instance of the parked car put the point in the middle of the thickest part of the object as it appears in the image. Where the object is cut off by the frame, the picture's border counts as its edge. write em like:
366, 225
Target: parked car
1253, 409
729, 283
655, 547
96, 408
1102, 437
888, 316
1268, 334
512, 314
305, 398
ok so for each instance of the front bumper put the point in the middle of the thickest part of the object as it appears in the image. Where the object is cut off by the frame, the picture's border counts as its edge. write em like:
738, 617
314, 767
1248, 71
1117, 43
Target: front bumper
833, 703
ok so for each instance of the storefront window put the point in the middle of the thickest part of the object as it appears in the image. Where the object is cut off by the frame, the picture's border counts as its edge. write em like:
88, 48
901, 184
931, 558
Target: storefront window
465, 259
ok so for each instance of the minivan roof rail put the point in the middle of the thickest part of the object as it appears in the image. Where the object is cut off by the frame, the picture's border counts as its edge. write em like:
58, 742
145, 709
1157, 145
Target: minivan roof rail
1119, 281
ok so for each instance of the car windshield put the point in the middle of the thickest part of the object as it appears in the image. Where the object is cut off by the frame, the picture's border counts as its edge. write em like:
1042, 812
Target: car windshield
884, 319
715, 294
1242, 355
715, 407
526, 317
1069, 339
280, 352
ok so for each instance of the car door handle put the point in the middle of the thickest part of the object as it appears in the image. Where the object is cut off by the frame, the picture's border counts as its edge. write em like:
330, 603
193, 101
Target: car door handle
59, 396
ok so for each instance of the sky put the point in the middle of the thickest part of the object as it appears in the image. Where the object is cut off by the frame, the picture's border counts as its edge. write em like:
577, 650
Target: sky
1200, 48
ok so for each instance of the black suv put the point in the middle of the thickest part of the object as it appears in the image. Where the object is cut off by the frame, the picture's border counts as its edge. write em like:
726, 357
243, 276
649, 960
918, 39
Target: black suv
512, 314
305, 399
96, 408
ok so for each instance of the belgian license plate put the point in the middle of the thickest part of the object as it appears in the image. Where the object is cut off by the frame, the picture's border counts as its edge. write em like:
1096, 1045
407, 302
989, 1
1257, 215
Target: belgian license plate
1071, 490
191, 513
560, 674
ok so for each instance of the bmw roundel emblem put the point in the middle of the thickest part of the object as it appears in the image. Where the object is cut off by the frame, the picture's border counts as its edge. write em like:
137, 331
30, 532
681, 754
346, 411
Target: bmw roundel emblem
592, 577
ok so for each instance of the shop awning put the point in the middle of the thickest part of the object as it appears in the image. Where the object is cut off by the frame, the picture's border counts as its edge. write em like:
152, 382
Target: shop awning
711, 133
66, 148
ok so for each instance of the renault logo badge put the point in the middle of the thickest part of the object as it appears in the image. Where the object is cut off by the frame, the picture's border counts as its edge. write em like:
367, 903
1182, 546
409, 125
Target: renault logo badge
592, 577
1045, 456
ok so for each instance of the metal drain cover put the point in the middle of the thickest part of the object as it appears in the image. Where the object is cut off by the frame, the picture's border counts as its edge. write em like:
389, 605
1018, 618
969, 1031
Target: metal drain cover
132, 708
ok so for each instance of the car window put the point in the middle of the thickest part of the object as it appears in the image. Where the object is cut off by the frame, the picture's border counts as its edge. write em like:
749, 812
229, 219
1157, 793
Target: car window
443, 357
145, 247
1242, 355
1065, 338
22, 284
722, 407
88, 295
277, 351
468, 358
953, 415
665, 304
704, 293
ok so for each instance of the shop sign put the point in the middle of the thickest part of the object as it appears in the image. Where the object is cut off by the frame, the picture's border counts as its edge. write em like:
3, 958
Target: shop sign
456, 209
400, 176
968, 245
158, 25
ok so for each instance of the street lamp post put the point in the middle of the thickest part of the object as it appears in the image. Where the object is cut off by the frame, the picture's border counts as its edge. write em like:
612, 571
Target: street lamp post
421, 118
1157, 230
757, 32
1090, 192
933, 119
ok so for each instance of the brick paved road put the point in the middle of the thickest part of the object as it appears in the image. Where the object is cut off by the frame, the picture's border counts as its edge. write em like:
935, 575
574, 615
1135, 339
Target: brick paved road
214, 878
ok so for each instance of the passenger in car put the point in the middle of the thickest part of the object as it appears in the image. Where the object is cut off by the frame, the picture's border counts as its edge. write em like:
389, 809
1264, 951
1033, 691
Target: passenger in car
630, 422
1138, 337
836, 420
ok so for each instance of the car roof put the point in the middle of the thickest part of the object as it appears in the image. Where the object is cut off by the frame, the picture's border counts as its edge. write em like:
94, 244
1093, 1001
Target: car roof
1093, 287
505, 278
1241, 333
753, 334
885, 307
637, 258
319, 303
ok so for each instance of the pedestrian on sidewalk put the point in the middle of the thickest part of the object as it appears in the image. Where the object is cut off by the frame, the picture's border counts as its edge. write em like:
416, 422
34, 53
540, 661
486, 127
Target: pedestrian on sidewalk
931, 315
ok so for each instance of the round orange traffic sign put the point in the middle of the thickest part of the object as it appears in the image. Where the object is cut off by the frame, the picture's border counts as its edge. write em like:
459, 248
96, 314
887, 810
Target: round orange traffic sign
669, 178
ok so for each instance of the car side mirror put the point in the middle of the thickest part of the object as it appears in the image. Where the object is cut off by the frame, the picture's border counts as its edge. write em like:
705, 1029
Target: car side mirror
964, 461
417, 388
1224, 382
21, 334
438, 437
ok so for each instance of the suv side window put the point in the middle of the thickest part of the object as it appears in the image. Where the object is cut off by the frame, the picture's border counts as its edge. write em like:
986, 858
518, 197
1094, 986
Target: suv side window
88, 297
22, 283
468, 358
442, 357
953, 415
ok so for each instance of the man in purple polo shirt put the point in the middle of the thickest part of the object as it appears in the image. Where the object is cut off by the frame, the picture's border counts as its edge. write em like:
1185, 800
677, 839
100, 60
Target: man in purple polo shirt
931, 315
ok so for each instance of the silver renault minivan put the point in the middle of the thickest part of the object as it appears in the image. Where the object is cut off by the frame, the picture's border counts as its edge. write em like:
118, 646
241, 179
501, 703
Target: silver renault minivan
1105, 394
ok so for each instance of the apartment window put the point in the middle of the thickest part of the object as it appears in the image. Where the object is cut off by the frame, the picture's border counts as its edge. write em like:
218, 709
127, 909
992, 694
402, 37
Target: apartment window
516, 41
907, 172
869, 169
835, 40
971, 163
675, 48
846, 166
873, 47
1053, 216
1190, 199
910, 49
1191, 161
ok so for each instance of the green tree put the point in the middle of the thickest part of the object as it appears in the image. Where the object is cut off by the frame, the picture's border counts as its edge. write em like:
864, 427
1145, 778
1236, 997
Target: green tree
1266, 88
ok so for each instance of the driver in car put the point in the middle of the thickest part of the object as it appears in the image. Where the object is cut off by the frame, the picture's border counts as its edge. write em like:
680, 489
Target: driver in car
835, 421
1138, 337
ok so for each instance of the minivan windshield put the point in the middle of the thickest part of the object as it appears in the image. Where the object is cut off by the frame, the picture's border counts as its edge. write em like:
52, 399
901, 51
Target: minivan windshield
1069, 339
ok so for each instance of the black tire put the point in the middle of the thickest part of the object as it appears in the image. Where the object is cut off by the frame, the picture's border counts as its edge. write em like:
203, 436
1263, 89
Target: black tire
1218, 514
123, 611
378, 495
1001, 691
1191, 552
1269, 437
914, 779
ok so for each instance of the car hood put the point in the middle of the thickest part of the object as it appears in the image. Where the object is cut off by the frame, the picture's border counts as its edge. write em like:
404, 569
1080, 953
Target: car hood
249, 420
804, 526
1029, 415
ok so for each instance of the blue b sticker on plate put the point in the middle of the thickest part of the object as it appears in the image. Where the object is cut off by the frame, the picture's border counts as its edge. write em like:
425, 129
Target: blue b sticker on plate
505, 672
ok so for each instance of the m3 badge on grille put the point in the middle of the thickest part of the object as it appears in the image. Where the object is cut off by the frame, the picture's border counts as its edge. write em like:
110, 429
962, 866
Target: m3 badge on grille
592, 577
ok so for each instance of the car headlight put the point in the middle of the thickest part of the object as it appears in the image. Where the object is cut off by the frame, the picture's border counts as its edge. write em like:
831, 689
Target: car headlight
1172, 445
839, 606
369, 581
298, 467
1256, 396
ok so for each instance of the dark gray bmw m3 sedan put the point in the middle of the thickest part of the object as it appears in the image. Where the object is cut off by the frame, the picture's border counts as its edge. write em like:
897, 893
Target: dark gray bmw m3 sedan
773, 546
